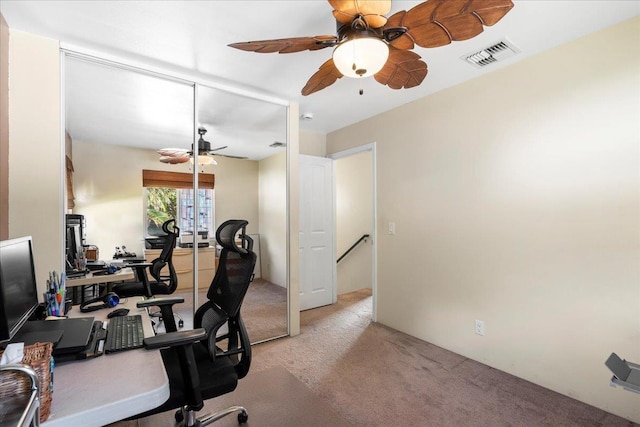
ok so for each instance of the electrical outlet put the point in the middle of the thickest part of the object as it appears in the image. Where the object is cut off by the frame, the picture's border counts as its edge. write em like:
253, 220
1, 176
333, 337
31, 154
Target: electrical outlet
480, 327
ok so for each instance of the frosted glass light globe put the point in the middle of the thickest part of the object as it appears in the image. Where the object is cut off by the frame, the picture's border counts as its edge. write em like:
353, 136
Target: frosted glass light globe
360, 57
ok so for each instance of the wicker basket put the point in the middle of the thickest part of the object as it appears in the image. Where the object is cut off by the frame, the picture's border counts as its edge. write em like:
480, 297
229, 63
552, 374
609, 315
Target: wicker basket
38, 356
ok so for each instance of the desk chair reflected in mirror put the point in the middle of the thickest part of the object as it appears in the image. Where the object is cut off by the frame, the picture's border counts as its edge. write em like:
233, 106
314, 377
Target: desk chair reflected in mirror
202, 364
162, 283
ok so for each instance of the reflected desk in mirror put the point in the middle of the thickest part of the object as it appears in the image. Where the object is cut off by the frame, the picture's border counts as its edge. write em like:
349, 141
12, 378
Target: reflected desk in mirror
183, 263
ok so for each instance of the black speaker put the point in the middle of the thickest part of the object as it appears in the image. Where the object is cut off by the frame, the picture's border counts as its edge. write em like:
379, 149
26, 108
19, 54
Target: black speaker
107, 301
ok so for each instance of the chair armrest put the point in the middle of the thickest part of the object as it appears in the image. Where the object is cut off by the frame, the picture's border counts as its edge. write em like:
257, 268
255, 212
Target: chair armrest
174, 339
136, 264
166, 310
159, 302
138, 268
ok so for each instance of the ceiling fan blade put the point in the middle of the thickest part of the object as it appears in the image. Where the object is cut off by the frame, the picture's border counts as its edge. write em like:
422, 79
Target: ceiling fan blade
490, 12
437, 23
173, 152
372, 11
232, 157
404, 69
290, 45
173, 160
219, 148
395, 27
325, 76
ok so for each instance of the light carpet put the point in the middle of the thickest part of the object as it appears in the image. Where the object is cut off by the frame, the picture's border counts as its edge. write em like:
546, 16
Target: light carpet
264, 310
273, 398
372, 375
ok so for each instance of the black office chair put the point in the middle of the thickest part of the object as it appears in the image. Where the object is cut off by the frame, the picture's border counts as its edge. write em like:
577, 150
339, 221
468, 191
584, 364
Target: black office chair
163, 284
212, 367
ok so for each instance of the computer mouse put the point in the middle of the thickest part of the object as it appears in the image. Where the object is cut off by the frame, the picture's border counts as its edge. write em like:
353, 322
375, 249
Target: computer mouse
118, 312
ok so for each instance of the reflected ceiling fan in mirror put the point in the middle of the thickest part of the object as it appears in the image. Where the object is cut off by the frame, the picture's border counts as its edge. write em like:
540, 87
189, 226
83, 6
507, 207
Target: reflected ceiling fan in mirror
205, 153
368, 43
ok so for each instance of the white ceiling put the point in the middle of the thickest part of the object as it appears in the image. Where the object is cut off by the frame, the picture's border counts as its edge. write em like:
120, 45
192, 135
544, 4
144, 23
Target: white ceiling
191, 37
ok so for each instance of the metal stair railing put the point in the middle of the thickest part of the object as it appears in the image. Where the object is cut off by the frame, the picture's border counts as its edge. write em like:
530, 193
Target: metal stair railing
364, 237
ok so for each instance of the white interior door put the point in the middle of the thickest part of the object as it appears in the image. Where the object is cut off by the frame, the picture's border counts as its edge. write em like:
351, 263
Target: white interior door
317, 228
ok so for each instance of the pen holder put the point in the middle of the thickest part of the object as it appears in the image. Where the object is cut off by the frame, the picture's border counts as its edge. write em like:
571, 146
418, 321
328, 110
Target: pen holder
56, 300
54, 307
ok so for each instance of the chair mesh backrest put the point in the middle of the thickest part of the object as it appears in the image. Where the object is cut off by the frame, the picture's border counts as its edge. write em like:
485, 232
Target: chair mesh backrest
235, 268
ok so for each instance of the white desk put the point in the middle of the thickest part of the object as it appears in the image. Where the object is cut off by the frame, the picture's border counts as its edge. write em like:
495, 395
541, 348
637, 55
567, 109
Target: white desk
91, 279
108, 388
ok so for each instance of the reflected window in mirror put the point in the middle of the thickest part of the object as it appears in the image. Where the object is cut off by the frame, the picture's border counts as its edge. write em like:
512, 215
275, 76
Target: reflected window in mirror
170, 195
162, 204
205, 212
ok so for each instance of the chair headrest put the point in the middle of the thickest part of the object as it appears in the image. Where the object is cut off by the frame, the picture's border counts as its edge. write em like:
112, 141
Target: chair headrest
227, 232
174, 229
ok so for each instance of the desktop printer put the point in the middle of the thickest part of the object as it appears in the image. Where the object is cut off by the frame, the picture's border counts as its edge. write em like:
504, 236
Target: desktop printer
96, 265
187, 239
154, 242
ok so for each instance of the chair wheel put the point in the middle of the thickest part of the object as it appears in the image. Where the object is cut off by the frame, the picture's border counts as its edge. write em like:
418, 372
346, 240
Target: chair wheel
243, 417
178, 416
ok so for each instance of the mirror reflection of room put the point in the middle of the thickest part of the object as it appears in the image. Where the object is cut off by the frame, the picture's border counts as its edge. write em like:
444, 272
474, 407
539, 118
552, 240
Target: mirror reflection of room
122, 193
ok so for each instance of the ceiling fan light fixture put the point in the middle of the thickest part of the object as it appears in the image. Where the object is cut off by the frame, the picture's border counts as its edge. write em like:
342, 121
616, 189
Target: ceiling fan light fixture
360, 56
204, 160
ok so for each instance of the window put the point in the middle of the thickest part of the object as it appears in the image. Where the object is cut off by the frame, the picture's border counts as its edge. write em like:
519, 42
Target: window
205, 211
161, 205
167, 196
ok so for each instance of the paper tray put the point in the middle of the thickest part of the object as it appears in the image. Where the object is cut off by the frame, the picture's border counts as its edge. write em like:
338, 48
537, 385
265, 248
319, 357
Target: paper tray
625, 374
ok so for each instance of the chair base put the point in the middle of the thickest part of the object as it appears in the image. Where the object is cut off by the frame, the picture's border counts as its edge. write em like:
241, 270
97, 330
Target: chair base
187, 418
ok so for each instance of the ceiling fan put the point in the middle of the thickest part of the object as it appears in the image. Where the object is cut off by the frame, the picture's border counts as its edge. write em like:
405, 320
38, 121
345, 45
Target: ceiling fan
204, 156
368, 43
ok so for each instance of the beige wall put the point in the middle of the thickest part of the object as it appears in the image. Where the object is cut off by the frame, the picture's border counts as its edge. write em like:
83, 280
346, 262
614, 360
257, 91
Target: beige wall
273, 218
4, 129
108, 189
313, 143
354, 217
35, 153
237, 191
516, 198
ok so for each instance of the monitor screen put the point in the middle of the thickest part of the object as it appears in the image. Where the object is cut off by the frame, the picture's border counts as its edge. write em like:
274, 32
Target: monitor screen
74, 247
18, 290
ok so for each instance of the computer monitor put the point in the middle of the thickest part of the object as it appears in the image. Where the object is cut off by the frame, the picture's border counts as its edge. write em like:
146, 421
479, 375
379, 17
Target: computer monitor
74, 246
18, 290
75, 219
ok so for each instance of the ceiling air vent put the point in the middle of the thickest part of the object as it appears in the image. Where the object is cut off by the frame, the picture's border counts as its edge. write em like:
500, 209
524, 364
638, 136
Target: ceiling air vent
497, 52
278, 144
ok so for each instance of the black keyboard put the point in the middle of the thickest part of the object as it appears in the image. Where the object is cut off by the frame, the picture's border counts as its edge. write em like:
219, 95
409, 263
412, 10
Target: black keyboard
124, 333
72, 274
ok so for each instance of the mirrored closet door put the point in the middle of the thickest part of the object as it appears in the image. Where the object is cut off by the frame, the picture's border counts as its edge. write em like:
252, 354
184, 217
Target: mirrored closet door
117, 118
251, 185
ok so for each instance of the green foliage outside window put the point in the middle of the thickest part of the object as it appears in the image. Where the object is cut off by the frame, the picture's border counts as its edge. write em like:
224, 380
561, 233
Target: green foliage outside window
161, 205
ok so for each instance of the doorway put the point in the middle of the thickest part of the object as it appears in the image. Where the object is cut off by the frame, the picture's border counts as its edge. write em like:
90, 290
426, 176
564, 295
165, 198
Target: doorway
355, 210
